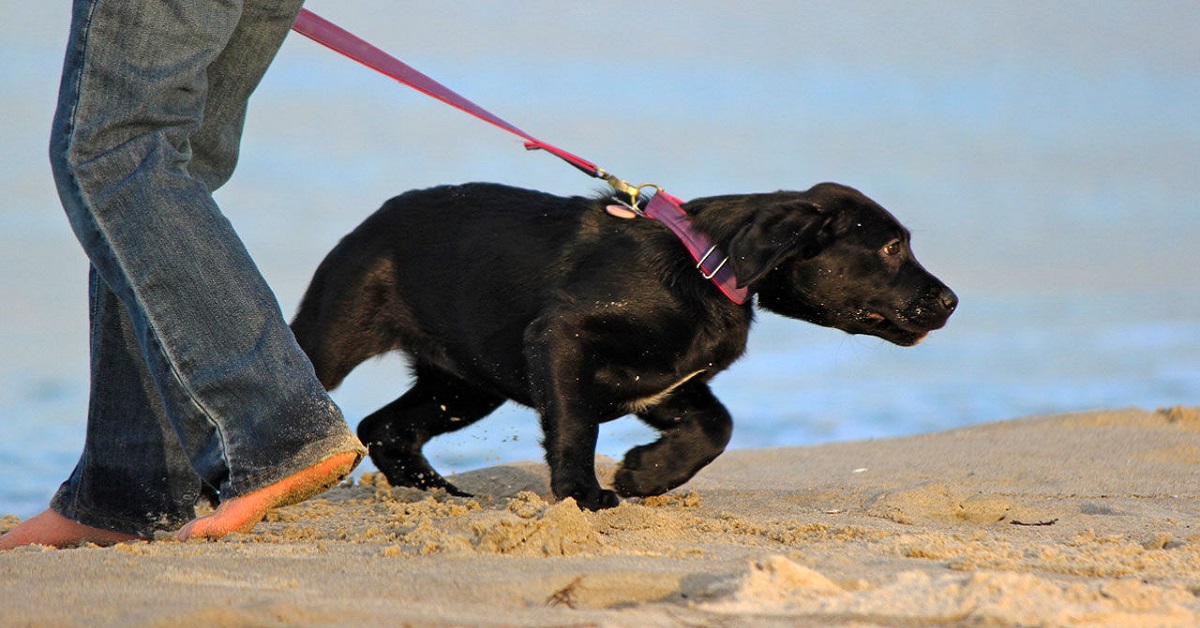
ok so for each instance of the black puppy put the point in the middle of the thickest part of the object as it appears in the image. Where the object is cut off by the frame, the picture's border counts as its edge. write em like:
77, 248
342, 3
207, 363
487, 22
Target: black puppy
499, 293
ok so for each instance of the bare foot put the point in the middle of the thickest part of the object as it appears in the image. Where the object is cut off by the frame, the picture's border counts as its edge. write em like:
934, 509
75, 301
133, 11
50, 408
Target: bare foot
241, 514
51, 528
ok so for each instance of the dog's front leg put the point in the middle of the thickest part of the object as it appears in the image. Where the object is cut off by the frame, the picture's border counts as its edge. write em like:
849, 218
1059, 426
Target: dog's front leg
560, 378
695, 428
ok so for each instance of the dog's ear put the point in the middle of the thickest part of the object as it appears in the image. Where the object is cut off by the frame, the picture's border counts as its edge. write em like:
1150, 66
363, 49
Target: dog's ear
775, 233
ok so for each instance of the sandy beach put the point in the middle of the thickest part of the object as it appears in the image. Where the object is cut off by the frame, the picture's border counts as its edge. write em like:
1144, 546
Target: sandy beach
1089, 519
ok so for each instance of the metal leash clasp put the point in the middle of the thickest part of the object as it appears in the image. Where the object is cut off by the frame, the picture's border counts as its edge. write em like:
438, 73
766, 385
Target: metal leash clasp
634, 192
620, 185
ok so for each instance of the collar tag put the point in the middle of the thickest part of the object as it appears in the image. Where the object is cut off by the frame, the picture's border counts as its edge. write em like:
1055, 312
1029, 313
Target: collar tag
621, 210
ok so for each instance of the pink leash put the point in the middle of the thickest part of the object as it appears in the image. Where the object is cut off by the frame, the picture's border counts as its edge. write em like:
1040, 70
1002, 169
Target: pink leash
711, 262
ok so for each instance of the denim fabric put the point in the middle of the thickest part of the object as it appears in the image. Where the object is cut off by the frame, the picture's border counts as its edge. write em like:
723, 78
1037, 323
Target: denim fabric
196, 379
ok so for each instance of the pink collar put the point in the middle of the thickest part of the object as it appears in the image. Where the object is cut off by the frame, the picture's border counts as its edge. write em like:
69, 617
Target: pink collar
712, 263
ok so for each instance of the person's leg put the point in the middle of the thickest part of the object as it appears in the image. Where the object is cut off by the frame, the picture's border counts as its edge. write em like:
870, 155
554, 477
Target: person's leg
150, 485
232, 77
238, 392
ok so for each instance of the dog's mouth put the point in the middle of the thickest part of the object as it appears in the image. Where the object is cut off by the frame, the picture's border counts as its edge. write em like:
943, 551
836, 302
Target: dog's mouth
893, 327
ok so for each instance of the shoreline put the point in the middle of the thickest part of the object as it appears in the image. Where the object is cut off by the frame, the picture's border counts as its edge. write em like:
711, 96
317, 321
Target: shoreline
1079, 519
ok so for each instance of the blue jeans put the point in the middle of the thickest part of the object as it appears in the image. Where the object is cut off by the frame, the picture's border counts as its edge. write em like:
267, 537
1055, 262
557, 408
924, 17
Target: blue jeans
197, 384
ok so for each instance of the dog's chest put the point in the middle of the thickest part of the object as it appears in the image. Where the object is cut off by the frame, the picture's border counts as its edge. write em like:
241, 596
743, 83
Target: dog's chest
645, 403
642, 391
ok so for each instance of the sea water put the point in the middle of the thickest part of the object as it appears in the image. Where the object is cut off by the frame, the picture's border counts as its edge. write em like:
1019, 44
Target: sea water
1049, 177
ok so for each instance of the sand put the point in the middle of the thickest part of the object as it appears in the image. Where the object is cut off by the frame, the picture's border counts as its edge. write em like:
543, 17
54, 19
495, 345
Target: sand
1089, 519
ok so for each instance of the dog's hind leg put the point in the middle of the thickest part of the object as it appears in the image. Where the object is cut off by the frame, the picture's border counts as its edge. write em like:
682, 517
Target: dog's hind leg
438, 402
695, 429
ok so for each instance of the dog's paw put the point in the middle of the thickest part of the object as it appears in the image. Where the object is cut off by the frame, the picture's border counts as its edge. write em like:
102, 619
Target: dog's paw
598, 499
641, 476
413, 471
637, 483
646, 472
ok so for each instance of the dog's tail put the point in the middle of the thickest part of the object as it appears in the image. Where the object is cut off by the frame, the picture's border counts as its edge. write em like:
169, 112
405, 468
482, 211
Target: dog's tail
338, 322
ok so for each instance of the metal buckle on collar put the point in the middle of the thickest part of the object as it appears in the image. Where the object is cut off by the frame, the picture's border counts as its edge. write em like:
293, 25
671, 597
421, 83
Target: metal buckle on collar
700, 264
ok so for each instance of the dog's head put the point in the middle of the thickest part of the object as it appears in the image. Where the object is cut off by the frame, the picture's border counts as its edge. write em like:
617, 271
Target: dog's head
833, 257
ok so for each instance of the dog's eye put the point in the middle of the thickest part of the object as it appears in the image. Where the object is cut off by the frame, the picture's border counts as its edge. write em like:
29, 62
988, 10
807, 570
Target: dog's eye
893, 248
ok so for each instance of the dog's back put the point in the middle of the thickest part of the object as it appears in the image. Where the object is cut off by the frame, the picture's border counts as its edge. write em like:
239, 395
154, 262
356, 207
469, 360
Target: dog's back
471, 263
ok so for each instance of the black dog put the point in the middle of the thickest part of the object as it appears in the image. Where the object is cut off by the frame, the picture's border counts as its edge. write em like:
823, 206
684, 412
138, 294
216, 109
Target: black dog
499, 293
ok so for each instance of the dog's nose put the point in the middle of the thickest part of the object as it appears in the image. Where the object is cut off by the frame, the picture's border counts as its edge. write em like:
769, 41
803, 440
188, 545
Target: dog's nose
948, 299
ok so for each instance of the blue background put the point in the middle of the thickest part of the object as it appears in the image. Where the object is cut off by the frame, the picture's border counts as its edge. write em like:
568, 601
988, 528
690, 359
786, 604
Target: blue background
1045, 155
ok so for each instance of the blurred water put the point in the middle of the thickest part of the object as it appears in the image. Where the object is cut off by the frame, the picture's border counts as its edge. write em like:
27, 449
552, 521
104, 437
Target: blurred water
1044, 155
